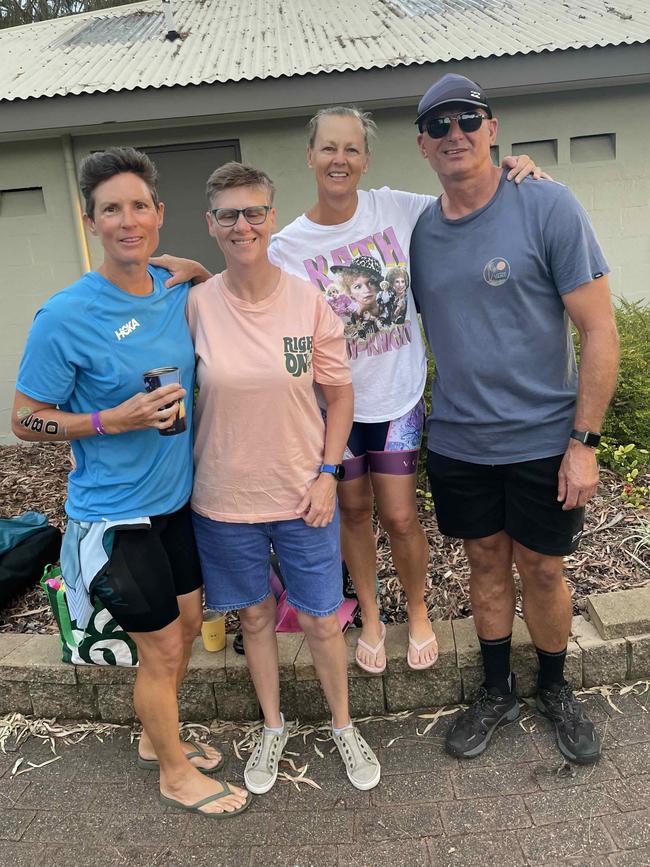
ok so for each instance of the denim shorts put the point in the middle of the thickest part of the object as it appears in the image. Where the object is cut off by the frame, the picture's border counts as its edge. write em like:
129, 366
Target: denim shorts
235, 560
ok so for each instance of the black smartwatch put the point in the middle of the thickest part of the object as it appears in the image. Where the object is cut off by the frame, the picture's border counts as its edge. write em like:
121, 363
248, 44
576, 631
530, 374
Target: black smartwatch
586, 437
337, 470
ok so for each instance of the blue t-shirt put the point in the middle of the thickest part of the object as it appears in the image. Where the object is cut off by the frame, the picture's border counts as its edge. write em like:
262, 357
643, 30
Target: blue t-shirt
489, 287
87, 350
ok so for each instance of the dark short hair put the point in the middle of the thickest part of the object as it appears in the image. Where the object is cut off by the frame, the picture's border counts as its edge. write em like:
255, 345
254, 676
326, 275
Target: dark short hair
103, 165
234, 174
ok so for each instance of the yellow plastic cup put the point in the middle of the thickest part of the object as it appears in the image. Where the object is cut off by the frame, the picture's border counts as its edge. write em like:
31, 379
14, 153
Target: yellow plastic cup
213, 631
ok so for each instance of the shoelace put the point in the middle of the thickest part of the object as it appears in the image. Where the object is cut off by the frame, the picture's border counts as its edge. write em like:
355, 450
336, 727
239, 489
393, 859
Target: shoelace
480, 706
570, 706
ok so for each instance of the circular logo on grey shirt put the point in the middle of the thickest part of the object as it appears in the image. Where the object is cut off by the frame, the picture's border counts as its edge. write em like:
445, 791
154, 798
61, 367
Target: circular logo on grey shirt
497, 271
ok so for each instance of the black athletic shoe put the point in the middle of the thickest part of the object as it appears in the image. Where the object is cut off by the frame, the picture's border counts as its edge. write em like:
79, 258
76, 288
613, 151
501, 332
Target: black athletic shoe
470, 734
575, 733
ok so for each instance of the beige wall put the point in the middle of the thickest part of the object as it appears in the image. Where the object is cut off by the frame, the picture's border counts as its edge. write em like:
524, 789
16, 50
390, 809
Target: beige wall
38, 251
40, 254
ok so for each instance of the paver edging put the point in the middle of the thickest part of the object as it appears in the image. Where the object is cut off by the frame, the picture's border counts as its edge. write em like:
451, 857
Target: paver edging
34, 680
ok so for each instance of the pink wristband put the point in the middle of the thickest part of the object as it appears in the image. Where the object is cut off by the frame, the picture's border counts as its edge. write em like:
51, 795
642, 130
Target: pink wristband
97, 423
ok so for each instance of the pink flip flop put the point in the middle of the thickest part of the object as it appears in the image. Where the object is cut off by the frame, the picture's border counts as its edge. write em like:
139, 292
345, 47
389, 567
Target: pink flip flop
418, 647
371, 669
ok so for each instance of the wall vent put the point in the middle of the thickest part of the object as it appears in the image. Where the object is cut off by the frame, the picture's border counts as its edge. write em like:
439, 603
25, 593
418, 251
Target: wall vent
593, 148
543, 152
28, 202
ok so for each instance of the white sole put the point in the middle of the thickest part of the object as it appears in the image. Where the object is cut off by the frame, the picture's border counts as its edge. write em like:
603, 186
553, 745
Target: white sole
364, 787
259, 790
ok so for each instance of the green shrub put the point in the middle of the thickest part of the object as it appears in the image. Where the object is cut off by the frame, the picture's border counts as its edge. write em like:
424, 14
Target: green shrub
628, 418
630, 464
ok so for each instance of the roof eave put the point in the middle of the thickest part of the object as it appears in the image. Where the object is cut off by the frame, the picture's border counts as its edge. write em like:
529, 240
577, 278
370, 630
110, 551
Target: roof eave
570, 69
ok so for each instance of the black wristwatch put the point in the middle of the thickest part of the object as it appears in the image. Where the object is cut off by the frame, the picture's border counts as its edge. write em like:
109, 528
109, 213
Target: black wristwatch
586, 437
337, 470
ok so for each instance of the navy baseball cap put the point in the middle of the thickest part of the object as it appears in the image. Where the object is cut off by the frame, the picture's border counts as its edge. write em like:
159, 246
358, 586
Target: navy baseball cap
452, 88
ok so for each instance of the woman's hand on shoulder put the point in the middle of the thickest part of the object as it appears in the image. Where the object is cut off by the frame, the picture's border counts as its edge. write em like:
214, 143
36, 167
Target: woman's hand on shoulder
319, 503
522, 166
182, 270
156, 409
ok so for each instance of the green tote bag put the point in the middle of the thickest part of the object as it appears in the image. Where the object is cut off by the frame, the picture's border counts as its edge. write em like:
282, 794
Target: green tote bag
102, 642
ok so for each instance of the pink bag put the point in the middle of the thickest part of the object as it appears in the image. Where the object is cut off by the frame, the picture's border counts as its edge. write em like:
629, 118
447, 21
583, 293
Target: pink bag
286, 619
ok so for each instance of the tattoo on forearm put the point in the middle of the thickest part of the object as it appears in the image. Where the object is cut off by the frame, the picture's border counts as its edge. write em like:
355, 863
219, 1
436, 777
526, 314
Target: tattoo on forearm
30, 421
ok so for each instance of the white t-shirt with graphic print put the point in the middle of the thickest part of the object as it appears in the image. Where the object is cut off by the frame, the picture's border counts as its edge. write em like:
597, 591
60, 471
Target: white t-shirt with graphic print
362, 266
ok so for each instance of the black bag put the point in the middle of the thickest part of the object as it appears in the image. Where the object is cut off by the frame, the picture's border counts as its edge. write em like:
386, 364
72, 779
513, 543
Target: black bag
21, 567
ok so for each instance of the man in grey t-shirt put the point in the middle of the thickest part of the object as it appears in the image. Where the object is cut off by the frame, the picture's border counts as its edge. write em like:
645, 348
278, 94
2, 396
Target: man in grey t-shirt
498, 270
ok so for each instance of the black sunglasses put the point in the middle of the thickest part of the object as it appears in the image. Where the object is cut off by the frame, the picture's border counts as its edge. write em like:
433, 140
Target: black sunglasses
254, 214
438, 127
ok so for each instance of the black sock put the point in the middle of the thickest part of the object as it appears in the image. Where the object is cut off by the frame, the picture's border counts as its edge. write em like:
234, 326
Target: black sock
551, 669
496, 662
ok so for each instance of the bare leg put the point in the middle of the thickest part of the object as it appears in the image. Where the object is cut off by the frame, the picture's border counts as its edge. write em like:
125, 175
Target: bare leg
398, 514
258, 626
190, 606
161, 655
329, 653
546, 598
191, 614
492, 585
360, 554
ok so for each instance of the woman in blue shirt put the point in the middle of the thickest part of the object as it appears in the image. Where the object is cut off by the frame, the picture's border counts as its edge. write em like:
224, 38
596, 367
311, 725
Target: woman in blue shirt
81, 379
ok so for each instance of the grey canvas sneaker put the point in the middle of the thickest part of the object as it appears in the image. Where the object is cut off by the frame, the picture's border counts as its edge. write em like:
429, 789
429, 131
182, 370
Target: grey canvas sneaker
261, 769
361, 764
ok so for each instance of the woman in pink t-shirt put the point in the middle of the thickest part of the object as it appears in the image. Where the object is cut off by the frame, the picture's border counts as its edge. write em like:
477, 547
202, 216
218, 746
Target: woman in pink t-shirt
266, 467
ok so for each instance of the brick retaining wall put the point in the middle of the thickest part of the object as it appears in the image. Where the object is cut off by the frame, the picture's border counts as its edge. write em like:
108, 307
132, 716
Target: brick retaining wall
612, 647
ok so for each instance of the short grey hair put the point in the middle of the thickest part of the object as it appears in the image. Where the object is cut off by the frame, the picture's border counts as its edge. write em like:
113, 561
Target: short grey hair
368, 125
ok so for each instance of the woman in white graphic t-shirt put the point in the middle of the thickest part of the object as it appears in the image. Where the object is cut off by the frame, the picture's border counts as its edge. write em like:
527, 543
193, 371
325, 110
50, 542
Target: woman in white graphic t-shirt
353, 234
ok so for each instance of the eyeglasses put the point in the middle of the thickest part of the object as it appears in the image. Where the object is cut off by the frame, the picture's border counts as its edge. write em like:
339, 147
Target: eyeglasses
438, 127
254, 215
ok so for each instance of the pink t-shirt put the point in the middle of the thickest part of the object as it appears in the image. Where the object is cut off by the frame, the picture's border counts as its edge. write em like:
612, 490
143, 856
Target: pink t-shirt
259, 431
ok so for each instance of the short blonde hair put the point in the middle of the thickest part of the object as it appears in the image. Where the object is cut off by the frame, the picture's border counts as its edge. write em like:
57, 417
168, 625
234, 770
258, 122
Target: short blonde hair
368, 125
232, 174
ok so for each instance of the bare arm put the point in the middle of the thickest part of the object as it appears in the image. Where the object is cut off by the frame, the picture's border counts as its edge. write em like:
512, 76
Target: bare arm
318, 504
590, 309
182, 270
35, 421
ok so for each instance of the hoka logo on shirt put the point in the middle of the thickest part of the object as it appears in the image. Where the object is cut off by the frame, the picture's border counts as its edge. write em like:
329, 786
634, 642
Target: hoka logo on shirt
297, 354
127, 329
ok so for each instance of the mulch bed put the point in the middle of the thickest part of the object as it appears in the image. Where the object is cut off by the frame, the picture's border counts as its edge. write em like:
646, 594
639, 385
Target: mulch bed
614, 553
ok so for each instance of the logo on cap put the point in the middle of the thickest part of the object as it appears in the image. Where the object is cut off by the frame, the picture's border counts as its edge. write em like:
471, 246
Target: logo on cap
475, 94
497, 271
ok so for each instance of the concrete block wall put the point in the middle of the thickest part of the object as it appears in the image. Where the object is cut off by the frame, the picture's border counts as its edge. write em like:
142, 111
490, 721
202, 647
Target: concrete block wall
614, 647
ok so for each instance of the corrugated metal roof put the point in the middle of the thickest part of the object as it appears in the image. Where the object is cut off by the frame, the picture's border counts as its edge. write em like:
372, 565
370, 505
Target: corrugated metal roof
229, 40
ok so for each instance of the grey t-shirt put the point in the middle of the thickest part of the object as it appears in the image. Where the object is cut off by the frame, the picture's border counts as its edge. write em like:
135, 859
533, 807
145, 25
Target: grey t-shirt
489, 287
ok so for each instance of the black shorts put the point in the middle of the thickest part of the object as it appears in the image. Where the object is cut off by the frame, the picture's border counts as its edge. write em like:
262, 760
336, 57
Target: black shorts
148, 568
477, 500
